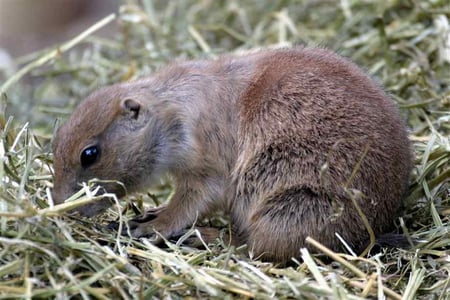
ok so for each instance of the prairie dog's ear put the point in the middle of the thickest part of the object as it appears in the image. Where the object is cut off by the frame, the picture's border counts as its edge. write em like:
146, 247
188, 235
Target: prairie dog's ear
131, 107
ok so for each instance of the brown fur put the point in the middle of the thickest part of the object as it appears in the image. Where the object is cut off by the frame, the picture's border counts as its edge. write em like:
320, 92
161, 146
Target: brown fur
278, 139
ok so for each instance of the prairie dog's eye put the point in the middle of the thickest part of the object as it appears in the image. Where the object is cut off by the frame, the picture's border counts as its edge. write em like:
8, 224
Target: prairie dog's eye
89, 156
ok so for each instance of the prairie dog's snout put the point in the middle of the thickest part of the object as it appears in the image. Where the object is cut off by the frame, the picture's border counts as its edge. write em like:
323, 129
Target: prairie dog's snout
249, 135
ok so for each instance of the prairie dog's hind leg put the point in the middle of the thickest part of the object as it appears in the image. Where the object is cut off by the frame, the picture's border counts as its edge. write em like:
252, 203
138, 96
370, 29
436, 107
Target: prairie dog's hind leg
279, 225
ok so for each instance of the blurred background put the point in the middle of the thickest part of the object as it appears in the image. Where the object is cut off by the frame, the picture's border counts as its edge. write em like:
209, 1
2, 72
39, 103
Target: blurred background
31, 25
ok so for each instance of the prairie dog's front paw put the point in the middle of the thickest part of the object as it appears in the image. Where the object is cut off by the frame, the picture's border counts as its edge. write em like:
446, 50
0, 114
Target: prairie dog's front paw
204, 236
144, 225
140, 230
153, 227
149, 215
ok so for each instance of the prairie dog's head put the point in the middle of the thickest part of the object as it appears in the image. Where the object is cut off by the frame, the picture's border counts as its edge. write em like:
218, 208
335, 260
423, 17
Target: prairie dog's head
110, 136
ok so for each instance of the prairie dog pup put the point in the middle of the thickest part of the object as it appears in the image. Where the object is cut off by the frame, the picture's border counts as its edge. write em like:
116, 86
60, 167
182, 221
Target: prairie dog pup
279, 139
